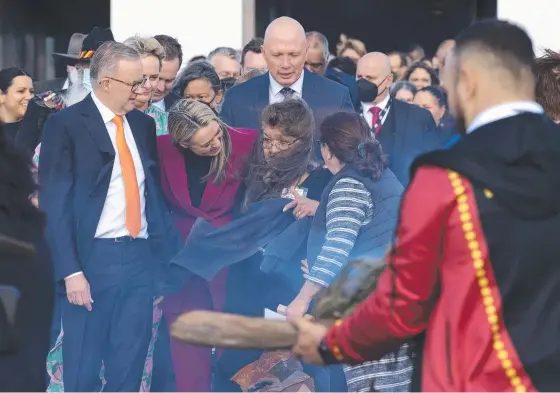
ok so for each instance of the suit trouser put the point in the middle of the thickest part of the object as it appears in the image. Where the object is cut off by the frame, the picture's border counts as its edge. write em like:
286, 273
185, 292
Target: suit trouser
117, 331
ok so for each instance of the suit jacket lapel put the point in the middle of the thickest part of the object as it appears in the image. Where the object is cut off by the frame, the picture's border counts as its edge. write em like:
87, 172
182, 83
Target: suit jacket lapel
94, 125
308, 92
262, 92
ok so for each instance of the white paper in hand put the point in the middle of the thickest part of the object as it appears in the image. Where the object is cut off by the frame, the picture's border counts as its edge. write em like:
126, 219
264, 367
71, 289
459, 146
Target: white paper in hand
274, 316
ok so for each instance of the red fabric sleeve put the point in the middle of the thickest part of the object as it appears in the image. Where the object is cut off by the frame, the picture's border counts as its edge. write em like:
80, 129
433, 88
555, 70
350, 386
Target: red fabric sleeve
401, 304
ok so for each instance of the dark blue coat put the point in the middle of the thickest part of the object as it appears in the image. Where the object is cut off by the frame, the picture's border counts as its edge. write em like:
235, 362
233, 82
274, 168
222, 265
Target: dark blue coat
244, 103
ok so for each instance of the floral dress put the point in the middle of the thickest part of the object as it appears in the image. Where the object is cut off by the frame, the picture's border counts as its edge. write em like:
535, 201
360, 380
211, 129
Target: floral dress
55, 362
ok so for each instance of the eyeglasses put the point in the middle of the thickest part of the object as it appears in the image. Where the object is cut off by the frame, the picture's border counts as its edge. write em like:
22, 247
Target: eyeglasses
282, 145
133, 86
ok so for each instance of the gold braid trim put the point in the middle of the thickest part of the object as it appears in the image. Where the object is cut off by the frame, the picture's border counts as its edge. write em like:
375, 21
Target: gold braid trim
482, 278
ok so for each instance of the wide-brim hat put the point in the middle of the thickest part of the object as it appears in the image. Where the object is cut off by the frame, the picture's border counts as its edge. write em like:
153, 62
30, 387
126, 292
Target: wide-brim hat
97, 37
74, 48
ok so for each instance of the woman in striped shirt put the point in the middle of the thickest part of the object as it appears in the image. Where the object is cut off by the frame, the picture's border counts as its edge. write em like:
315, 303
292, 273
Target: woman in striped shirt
356, 217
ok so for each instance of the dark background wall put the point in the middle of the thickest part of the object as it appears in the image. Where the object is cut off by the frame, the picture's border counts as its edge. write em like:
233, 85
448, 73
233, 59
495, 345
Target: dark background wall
29, 27
383, 25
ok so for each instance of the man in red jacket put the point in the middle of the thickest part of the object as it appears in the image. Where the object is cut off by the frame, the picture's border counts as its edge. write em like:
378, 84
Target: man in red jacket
475, 261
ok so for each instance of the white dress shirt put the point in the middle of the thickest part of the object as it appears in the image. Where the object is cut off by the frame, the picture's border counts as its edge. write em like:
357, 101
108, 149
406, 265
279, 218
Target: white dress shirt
112, 222
159, 104
368, 116
274, 94
502, 111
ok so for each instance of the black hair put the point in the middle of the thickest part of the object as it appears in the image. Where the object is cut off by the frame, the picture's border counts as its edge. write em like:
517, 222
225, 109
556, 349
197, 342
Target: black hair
347, 136
402, 85
434, 79
438, 94
197, 58
195, 71
344, 64
507, 42
255, 46
173, 49
7, 76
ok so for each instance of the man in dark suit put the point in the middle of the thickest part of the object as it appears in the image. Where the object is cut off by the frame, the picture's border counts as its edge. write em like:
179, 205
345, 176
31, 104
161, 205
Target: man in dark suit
285, 47
163, 97
107, 226
316, 61
405, 131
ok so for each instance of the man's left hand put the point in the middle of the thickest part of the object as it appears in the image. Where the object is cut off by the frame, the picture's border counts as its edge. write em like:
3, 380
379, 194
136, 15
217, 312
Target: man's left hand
309, 339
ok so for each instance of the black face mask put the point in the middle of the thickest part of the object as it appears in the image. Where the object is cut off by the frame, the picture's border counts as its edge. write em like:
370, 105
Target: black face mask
368, 91
227, 83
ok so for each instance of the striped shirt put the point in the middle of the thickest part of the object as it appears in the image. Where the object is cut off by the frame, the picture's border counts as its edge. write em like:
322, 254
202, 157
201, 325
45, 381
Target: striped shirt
349, 207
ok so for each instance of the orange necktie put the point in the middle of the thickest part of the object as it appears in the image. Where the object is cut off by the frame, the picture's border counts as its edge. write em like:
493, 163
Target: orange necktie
132, 195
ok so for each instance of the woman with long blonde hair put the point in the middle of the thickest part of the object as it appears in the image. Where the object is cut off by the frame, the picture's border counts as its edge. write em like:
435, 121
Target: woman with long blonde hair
203, 163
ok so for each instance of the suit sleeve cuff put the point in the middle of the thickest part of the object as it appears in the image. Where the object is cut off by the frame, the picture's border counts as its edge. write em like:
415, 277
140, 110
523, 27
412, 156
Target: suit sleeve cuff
73, 275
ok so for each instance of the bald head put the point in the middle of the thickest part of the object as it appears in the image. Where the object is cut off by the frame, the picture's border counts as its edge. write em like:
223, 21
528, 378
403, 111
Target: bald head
284, 28
375, 67
284, 50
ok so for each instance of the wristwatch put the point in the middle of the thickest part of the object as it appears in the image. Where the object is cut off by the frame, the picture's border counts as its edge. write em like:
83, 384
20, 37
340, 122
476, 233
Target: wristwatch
326, 353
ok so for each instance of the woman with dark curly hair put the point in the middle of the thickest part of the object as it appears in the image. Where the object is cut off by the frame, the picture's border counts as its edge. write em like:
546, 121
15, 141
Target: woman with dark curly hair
421, 75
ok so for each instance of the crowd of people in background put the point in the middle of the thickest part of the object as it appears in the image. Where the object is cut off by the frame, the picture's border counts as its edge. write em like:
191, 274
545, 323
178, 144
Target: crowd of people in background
288, 152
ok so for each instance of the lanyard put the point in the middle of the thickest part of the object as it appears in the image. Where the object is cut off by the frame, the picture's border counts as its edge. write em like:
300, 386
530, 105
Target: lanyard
383, 114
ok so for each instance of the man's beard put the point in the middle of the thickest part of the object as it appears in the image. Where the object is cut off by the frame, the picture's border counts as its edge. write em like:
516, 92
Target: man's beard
76, 91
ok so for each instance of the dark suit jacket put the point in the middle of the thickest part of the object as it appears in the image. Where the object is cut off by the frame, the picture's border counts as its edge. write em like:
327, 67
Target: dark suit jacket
244, 103
170, 100
408, 131
51, 84
347, 80
77, 159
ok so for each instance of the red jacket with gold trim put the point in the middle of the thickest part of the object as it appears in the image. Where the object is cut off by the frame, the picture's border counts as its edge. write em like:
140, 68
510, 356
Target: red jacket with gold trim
475, 265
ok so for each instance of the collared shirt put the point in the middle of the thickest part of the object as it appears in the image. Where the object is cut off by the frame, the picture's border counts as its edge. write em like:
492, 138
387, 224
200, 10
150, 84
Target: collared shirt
274, 94
112, 222
368, 116
159, 104
503, 111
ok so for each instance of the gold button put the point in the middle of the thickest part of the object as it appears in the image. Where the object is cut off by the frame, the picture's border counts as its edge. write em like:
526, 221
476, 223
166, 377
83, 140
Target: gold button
456, 182
474, 245
463, 207
510, 372
502, 355
470, 235
478, 263
462, 199
495, 328
516, 381
485, 291
476, 254
506, 364
498, 345
480, 273
491, 310
488, 194
483, 282
465, 217
467, 226
453, 175
459, 190
488, 301
520, 389
493, 319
